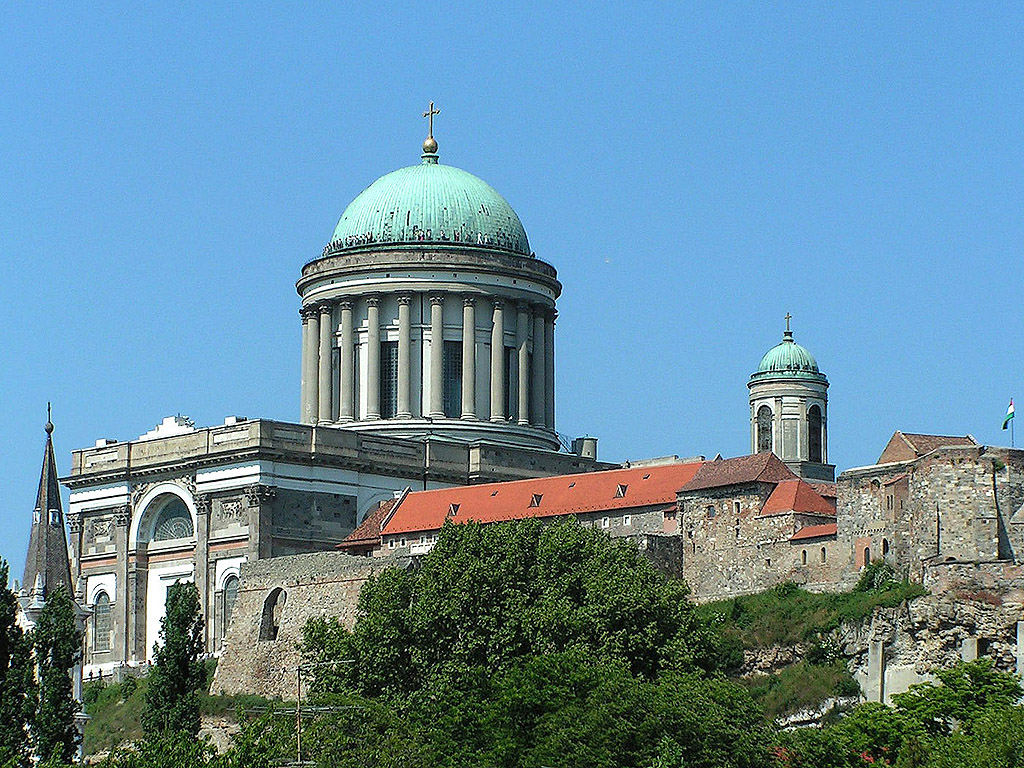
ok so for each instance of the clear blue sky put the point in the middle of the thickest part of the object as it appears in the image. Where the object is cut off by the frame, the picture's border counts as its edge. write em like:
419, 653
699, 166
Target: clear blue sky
693, 172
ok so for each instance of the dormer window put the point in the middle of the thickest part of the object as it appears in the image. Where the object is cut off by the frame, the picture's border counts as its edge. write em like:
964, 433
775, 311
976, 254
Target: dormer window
535, 500
620, 491
647, 476
494, 494
453, 510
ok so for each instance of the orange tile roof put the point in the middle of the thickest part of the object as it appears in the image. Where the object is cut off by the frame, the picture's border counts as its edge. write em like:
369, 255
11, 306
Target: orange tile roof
763, 467
560, 495
828, 490
368, 531
795, 495
814, 532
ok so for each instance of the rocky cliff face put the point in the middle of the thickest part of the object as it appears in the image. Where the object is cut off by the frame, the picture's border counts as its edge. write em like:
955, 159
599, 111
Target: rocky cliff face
900, 646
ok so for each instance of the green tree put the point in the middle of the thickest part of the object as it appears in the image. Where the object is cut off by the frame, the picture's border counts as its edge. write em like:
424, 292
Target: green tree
58, 648
177, 676
17, 680
487, 596
965, 693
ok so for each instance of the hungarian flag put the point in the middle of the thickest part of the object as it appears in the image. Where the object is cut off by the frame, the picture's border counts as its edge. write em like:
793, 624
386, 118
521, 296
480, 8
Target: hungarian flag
1009, 414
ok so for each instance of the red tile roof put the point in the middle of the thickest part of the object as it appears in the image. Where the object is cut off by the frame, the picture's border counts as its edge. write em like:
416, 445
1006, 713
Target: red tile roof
827, 490
763, 467
368, 532
814, 532
795, 495
542, 497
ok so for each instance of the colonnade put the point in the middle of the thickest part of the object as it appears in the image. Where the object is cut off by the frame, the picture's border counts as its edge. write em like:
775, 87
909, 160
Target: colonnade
532, 324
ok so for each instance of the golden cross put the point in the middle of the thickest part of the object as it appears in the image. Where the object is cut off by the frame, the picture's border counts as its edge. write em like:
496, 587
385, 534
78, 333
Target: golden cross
788, 318
430, 115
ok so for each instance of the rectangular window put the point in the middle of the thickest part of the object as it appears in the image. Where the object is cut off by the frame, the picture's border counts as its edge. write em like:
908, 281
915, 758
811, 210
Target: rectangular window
451, 366
402, 542
388, 379
736, 507
627, 520
605, 522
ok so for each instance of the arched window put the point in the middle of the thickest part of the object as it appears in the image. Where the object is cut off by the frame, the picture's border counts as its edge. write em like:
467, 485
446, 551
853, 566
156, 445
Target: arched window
803, 557
273, 607
814, 434
173, 520
101, 623
823, 554
230, 596
764, 428
885, 548
867, 555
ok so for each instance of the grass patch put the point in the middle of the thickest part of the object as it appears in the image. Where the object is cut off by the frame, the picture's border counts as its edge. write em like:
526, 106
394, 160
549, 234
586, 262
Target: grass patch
800, 686
787, 614
115, 710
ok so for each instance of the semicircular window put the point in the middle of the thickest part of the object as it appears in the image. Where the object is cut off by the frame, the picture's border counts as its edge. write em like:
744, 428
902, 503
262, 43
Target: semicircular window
173, 521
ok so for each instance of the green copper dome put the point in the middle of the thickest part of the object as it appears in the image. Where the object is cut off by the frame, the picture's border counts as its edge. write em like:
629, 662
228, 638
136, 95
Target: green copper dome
431, 203
788, 360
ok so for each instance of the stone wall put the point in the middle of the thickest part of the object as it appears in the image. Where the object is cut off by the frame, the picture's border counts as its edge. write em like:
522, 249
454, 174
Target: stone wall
276, 599
956, 504
731, 550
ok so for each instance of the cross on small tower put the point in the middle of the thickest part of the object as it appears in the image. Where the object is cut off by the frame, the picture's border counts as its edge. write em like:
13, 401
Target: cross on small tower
429, 114
788, 318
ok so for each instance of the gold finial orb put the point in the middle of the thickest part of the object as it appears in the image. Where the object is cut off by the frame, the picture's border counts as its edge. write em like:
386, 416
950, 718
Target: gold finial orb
430, 146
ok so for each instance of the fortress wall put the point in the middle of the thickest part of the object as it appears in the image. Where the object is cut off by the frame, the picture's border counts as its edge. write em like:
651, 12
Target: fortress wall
261, 650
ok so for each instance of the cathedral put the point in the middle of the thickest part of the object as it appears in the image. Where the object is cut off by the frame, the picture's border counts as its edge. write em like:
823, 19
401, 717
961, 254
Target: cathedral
427, 395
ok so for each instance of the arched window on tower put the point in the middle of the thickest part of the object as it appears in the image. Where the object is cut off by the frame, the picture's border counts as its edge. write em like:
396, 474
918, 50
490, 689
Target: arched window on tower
101, 623
764, 428
814, 452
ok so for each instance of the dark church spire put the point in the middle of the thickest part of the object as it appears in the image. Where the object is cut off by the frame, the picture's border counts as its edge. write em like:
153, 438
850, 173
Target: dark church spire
47, 562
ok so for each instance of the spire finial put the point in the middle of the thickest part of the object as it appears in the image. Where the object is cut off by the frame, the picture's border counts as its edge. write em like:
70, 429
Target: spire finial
49, 423
788, 335
430, 145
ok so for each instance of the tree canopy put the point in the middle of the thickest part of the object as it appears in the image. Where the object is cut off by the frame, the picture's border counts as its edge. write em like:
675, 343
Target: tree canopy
177, 675
58, 648
17, 680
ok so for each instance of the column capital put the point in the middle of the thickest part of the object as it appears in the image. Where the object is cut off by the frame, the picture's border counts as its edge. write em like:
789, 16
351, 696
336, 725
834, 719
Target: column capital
308, 312
122, 516
522, 305
436, 298
202, 503
469, 300
498, 302
74, 521
373, 300
258, 493
404, 299
345, 305
324, 307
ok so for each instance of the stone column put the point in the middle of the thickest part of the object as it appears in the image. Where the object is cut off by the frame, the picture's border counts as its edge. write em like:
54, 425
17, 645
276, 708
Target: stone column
305, 365
537, 406
373, 357
122, 631
324, 377
347, 375
260, 499
436, 359
498, 362
469, 357
203, 583
404, 358
309, 407
522, 338
549, 369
